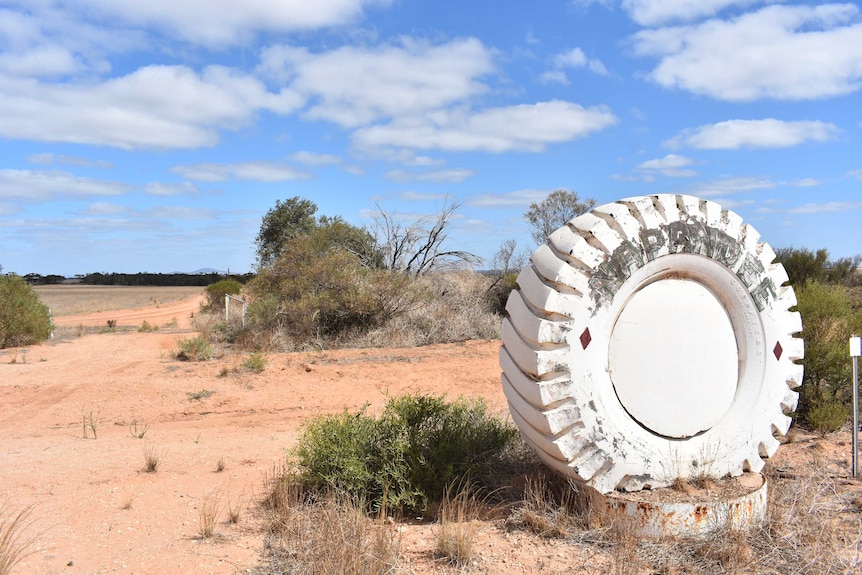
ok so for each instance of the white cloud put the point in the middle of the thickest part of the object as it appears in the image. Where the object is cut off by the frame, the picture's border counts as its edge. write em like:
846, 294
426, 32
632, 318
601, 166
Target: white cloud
767, 133
252, 171
657, 12
411, 196
214, 22
856, 174
153, 107
732, 204
180, 213
42, 186
48, 159
732, 186
314, 159
42, 40
183, 189
450, 176
353, 86
826, 207
805, 183
517, 198
780, 52
527, 127
554, 77
574, 58
105, 209
672, 166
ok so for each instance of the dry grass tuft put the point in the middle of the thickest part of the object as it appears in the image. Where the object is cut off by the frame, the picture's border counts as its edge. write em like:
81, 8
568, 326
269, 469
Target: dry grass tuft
15, 543
152, 458
234, 509
459, 522
325, 536
209, 515
555, 507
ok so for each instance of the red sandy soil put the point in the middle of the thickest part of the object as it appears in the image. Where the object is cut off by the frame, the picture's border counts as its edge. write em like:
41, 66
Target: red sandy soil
97, 511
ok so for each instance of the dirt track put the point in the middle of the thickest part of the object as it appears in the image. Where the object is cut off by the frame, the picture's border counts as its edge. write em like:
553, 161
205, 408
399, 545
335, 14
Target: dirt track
97, 511
180, 312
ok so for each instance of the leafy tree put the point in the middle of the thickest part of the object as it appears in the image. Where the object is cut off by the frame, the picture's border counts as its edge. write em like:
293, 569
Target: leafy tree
282, 222
23, 318
334, 231
828, 319
554, 211
419, 247
803, 265
295, 217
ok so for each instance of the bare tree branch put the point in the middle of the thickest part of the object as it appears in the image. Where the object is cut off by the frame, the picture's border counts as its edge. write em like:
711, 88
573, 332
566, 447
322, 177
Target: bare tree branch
418, 247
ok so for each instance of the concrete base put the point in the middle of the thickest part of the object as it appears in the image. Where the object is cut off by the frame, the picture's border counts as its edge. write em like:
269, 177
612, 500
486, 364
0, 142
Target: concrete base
650, 518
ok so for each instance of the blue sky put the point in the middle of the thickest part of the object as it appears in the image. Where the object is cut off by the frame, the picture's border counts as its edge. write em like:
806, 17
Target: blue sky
153, 136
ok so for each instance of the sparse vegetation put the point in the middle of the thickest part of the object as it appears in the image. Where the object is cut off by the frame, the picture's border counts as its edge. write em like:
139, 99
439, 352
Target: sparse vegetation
208, 516
199, 395
255, 362
460, 512
146, 327
91, 422
15, 542
152, 458
234, 510
138, 433
24, 319
194, 349
328, 535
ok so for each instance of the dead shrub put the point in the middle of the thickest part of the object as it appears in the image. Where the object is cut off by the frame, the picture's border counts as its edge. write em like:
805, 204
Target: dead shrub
455, 309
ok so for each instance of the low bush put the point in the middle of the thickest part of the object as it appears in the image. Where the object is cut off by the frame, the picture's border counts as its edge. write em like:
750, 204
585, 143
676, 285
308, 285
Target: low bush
255, 362
215, 293
407, 457
194, 349
827, 417
319, 294
24, 319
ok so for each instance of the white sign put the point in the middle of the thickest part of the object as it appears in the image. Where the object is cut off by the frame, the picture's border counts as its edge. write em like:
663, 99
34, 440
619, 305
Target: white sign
855, 346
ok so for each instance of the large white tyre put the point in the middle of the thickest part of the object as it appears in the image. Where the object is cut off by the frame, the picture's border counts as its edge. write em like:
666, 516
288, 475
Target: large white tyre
652, 339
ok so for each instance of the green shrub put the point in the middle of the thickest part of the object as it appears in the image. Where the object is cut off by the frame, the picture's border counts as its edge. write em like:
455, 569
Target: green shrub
827, 417
215, 293
409, 456
23, 318
318, 292
147, 327
255, 362
194, 349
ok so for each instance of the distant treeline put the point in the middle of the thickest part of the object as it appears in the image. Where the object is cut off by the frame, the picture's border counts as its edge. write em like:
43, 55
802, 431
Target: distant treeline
138, 279
150, 279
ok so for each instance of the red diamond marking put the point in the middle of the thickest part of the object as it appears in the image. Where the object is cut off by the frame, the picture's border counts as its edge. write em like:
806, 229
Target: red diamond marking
777, 350
586, 338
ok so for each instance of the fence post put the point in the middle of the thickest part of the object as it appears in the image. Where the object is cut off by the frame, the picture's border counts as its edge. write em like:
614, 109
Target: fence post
855, 352
226, 308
